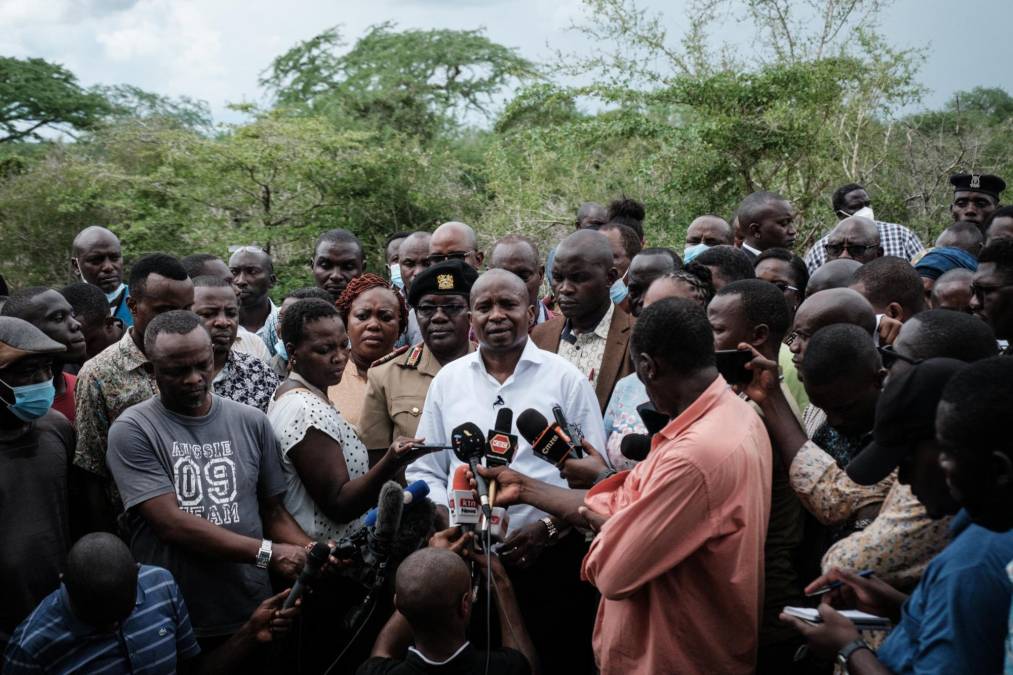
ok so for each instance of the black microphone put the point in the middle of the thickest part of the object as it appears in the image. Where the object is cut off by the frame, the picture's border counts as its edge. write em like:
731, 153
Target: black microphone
315, 559
388, 518
635, 446
469, 446
652, 419
574, 434
548, 441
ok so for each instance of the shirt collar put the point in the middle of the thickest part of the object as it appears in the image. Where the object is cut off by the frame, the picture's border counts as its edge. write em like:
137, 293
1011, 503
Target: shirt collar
960, 522
749, 248
133, 358
439, 663
601, 330
531, 354
696, 409
76, 625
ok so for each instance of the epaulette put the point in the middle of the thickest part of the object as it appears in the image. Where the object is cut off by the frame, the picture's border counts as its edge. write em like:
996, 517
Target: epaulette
388, 357
414, 356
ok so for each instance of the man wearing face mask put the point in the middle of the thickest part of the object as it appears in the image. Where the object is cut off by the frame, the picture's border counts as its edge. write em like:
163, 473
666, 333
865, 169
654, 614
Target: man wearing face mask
853, 200
593, 333
97, 259
36, 444
705, 232
392, 251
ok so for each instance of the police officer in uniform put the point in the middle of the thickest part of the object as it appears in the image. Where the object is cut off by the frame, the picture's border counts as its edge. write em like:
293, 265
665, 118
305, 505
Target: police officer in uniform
397, 383
975, 197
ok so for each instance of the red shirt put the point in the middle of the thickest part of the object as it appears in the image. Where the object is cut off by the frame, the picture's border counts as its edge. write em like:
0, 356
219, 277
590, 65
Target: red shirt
64, 403
679, 563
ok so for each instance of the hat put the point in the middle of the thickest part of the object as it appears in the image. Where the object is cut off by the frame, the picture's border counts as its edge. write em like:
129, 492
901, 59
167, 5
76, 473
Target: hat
451, 277
18, 339
985, 183
938, 261
905, 415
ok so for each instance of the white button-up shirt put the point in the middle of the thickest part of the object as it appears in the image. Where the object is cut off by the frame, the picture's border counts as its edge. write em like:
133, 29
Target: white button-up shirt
463, 391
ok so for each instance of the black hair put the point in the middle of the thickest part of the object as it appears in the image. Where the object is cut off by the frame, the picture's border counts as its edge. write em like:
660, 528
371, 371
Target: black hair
298, 314
175, 322
630, 239
834, 345
750, 208
18, 303
837, 200
210, 281
338, 236
731, 262
1001, 212
891, 279
395, 237
194, 263
999, 252
101, 576
698, 277
663, 250
309, 292
162, 264
950, 334
762, 302
978, 406
676, 331
796, 264
88, 300
628, 212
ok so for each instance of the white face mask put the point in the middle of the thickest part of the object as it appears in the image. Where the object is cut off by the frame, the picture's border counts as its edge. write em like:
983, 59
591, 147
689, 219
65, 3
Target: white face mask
864, 212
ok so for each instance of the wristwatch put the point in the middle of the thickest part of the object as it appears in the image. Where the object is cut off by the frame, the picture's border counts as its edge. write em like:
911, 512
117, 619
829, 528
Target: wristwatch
849, 649
264, 554
551, 527
603, 474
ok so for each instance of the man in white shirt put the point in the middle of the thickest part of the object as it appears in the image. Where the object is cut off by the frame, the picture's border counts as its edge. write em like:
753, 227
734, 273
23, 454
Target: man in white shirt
508, 370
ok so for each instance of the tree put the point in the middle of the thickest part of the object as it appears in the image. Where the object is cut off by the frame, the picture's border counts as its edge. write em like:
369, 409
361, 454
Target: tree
416, 81
36, 95
129, 102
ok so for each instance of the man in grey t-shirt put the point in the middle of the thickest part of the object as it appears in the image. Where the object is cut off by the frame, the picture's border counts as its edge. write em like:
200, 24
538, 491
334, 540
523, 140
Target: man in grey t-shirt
202, 484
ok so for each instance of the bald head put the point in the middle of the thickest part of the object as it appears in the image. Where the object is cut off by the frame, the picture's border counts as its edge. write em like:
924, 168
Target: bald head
854, 237
502, 280
591, 214
93, 236
592, 246
836, 305
431, 587
709, 230
455, 238
96, 257
832, 274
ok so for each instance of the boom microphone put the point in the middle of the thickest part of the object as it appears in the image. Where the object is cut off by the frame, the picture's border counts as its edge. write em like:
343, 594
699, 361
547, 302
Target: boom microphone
548, 441
469, 446
315, 559
388, 518
635, 446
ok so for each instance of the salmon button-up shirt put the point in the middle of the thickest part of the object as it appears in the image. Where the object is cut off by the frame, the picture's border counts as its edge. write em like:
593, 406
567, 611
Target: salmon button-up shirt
679, 563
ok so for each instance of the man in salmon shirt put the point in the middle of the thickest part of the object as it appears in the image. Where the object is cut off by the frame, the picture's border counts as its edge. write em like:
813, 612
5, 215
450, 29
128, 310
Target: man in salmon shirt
678, 555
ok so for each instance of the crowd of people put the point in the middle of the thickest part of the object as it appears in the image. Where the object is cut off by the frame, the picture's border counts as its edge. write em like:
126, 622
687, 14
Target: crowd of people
754, 452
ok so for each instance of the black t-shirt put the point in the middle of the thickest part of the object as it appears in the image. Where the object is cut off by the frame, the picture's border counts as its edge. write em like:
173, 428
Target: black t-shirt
469, 661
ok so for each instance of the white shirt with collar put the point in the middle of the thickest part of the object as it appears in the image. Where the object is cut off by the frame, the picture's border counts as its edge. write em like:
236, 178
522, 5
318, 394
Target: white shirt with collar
754, 251
464, 391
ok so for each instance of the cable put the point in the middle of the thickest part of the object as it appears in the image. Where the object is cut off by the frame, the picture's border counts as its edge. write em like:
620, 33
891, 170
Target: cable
352, 640
510, 625
488, 598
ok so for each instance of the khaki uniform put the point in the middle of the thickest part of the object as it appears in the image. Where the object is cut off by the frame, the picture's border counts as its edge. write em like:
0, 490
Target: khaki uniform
395, 393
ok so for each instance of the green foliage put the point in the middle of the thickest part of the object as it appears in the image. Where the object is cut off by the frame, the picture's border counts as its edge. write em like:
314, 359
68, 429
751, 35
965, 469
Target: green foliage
36, 95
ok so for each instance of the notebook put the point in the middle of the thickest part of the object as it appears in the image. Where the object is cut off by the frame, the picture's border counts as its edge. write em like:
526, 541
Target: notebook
860, 619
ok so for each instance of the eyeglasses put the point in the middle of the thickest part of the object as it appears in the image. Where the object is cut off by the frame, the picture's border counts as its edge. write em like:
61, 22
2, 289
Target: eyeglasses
437, 258
784, 286
795, 335
450, 311
854, 250
891, 356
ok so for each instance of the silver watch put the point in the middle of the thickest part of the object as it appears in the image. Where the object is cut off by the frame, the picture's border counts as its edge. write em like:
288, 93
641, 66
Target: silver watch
264, 554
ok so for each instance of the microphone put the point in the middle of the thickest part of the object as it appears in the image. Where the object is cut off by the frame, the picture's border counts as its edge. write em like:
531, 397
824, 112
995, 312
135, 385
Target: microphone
469, 446
388, 518
635, 446
315, 559
413, 493
574, 433
463, 507
652, 419
548, 441
500, 452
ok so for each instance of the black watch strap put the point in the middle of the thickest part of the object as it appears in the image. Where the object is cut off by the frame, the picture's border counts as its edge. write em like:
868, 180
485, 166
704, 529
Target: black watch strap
850, 648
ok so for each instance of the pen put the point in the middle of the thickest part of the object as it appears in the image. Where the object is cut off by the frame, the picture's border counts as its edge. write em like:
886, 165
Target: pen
865, 574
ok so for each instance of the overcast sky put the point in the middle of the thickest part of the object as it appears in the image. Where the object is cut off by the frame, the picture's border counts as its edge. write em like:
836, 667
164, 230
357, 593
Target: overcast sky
215, 49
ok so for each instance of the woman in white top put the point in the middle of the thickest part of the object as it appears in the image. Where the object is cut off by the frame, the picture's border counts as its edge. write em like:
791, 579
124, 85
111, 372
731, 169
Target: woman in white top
330, 484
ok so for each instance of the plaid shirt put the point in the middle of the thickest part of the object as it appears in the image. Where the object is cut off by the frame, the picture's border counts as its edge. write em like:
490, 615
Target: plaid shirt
895, 239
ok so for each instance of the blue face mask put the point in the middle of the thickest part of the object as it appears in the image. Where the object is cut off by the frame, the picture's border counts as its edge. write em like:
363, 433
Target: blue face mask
618, 291
279, 349
395, 275
691, 252
31, 401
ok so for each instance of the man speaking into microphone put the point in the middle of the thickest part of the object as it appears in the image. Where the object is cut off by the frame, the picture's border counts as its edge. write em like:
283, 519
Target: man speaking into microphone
508, 370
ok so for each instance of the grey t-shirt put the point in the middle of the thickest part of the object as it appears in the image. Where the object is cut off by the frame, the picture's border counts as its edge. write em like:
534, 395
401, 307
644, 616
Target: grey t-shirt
217, 466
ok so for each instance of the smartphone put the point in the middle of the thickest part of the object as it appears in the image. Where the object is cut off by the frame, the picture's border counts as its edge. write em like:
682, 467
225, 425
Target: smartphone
731, 364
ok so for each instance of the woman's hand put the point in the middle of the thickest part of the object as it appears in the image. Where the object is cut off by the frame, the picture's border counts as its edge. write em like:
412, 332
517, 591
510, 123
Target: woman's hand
404, 450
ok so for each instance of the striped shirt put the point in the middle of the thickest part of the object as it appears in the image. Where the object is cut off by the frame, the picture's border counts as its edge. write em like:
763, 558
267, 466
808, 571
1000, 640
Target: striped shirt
150, 641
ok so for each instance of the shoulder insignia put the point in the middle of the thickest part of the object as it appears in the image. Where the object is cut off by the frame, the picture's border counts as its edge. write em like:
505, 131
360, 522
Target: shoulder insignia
414, 356
388, 357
